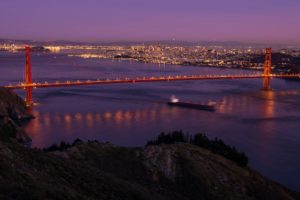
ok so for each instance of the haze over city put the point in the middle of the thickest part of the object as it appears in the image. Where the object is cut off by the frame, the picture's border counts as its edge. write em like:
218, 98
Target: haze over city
271, 21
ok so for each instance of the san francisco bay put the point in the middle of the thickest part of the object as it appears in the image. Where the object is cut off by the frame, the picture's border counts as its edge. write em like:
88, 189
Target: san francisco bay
263, 124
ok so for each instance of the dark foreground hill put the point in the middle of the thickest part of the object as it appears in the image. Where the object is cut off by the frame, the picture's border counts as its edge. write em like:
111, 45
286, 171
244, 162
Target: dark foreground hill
102, 171
95, 170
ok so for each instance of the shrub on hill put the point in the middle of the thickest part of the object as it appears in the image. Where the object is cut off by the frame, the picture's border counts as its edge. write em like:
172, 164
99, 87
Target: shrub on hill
216, 145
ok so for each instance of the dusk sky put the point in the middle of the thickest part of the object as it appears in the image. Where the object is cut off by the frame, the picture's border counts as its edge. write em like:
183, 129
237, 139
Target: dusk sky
262, 21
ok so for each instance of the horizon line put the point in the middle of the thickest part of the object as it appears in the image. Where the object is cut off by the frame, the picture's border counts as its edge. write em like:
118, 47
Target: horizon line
98, 41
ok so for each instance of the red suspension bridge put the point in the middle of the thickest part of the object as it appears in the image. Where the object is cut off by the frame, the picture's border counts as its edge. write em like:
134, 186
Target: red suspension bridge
28, 85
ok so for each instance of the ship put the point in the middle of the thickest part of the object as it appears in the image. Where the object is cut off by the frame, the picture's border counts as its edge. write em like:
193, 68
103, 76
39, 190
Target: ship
175, 102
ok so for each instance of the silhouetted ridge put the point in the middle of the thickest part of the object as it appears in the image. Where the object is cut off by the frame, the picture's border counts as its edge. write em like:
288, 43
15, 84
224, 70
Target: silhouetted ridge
215, 145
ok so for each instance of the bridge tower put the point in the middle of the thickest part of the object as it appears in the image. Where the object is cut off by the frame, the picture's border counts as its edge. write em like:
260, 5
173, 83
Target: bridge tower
28, 76
267, 69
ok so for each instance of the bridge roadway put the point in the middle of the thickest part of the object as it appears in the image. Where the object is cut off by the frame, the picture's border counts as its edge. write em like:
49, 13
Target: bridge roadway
148, 79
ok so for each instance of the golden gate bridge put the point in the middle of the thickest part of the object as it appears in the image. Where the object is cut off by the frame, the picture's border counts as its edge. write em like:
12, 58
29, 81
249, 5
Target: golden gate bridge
28, 85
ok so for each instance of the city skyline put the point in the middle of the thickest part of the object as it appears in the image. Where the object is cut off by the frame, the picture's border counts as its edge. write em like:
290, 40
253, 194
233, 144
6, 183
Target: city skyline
137, 20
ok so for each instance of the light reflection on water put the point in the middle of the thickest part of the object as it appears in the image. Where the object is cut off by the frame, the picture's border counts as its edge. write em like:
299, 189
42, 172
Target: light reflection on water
72, 122
125, 119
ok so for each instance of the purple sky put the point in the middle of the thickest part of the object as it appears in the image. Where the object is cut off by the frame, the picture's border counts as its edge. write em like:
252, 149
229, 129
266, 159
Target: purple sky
267, 21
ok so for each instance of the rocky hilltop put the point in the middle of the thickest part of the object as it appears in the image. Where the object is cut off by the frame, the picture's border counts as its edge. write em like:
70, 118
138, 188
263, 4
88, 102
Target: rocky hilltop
93, 170
102, 171
13, 113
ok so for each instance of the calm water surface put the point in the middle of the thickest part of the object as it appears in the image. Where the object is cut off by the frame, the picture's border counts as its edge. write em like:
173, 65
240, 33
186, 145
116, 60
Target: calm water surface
265, 125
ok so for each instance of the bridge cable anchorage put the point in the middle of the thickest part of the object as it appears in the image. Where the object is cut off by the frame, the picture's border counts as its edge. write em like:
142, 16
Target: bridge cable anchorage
267, 70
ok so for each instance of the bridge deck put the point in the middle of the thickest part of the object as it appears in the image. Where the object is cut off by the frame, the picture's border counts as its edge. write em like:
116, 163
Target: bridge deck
148, 79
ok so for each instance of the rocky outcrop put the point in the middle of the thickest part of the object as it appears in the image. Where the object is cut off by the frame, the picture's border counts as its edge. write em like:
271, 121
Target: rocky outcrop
12, 113
179, 171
